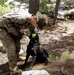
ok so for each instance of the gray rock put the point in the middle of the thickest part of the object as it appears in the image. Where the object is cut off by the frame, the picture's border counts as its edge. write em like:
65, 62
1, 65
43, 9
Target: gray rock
62, 14
36, 72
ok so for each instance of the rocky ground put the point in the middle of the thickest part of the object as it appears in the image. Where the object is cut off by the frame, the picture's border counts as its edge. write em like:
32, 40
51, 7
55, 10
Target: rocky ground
56, 40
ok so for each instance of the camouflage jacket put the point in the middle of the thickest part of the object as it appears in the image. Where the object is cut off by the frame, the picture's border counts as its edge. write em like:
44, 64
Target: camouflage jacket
1, 22
14, 20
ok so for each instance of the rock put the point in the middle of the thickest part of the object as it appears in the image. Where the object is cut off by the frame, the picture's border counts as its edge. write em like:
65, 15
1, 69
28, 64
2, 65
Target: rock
70, 3
69, 14
45, 37
1, 44
35, 72
66, 10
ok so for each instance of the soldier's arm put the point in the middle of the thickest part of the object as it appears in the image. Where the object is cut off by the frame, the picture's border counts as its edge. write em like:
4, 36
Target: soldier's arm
1, 23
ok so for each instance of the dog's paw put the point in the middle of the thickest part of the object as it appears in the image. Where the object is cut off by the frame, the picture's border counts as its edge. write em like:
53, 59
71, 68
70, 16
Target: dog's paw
22, 67
30, 68
46, 63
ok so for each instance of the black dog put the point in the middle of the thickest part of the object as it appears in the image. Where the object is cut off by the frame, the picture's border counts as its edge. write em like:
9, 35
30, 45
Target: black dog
33, 49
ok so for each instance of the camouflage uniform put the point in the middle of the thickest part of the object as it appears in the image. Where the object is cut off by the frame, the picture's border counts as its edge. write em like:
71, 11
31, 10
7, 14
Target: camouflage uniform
9, 35
10, 47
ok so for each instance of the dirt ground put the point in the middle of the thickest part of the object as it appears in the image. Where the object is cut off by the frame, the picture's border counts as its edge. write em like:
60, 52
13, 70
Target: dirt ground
62, 40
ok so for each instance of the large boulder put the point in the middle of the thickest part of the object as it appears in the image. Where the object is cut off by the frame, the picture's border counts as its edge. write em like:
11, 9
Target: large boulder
66, 14
35, 72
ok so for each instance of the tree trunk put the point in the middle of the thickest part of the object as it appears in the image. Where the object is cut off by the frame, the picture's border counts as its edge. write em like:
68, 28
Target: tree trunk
56, 11
33, 6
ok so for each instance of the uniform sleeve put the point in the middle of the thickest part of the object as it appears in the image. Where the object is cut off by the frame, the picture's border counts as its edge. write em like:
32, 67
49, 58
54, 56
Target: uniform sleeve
10, 26
1, 22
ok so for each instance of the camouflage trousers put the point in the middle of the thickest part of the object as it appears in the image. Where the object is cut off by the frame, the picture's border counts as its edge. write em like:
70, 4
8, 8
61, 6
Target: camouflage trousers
12, 47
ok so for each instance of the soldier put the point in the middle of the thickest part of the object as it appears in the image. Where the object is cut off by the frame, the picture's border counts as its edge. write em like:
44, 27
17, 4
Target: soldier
10, 36
11, 43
